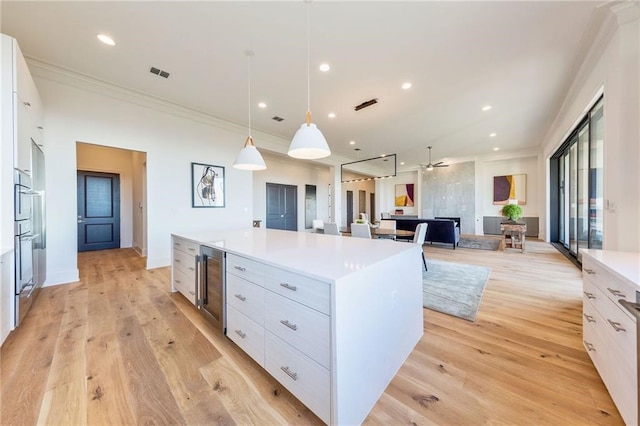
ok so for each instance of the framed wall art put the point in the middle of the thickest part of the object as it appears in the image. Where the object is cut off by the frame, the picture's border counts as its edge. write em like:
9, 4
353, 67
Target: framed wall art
207, 185
404, 195
510, 187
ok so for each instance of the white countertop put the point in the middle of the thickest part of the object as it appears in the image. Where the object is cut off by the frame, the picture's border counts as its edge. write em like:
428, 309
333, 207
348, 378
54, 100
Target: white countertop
624, 264
324, 257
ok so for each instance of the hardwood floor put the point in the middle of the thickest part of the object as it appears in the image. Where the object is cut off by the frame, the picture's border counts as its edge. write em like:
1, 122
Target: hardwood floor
119, 348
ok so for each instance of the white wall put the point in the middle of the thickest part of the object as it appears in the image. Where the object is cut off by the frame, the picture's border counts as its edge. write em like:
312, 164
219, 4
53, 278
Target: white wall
287, 171
91, 113
117, 161
386, 193
616, 70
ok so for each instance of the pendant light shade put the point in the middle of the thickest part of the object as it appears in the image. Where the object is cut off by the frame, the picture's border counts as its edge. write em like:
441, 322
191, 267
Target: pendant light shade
249, 157
309, 143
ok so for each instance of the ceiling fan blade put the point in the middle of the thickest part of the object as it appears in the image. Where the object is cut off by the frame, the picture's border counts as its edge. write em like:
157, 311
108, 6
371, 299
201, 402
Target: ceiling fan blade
437, 164
440, 165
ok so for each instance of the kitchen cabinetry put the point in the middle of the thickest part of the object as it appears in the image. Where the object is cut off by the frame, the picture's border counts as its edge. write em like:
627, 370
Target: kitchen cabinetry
609, 330
282, 321
6, 295
184, 267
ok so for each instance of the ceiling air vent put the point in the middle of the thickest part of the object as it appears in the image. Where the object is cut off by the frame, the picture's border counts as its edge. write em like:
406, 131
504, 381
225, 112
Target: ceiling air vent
366, 104
277, 118
159, 72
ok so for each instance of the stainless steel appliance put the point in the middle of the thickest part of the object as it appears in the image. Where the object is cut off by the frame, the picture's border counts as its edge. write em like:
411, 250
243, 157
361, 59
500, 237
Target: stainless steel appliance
211, 286
30, 234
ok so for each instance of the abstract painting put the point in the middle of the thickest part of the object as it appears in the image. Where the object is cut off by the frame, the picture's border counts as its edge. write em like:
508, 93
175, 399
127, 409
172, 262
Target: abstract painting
207, 185
404, 195
510, 187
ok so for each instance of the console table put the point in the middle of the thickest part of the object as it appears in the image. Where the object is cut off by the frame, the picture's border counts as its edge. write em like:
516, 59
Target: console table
513, 235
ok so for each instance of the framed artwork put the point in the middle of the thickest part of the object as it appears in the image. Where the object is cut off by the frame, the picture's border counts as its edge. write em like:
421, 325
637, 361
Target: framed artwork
510, 187
207, 185
404, 195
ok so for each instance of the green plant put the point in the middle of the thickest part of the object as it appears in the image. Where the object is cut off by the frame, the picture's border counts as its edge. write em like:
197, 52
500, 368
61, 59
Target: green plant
511, 211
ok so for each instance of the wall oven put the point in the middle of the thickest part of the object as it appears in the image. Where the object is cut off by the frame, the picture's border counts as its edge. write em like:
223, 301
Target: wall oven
25, 280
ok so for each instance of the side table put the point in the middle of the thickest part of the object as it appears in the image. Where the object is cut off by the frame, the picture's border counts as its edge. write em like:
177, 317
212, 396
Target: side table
513, 235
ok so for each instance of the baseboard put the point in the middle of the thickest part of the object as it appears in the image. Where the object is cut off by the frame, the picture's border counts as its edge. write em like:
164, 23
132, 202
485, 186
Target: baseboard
62, 277
157, 263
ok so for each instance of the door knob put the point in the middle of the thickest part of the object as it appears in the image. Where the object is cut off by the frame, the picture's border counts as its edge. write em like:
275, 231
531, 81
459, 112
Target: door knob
80, 221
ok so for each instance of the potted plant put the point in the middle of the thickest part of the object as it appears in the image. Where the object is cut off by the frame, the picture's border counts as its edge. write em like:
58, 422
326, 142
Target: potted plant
512, 212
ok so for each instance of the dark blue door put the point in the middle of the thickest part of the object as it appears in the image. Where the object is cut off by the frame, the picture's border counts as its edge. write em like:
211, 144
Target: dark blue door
282, 207
98, 211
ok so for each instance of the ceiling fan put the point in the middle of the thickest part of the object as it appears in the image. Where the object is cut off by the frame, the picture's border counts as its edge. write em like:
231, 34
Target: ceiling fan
430, 166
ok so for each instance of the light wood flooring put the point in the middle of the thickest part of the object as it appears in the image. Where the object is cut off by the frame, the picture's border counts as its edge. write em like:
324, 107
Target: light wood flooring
118, 348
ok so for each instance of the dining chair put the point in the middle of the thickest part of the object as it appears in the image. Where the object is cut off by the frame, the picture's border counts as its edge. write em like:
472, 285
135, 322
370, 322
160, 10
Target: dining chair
388, 224
418, 238
360, 230
331, 228
317, 225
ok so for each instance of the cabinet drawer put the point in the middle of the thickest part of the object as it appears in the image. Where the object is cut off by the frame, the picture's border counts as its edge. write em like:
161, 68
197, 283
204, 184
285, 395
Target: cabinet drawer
303, 377
309, 292
593, 336
246, 297
186, 246
612, 286
304, 328
246, 333
185, 285
248, 269
621, 331
184, 262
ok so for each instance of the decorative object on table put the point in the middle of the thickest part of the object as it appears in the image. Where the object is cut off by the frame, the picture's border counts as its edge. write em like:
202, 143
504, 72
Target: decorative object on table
430, 166
479, 242
249, 157
454, 288
404, 195
207, 185
510, 187
512, 212
309, 143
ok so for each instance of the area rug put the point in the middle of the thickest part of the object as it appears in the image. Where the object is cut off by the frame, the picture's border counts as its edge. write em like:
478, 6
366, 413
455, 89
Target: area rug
454, 288
481, 243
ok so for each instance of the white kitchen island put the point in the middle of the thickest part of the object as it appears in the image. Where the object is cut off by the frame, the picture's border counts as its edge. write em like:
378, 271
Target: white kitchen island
331, 318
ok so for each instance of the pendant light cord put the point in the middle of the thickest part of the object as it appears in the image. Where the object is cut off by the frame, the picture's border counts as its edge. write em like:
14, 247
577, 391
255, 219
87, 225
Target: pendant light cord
249, 88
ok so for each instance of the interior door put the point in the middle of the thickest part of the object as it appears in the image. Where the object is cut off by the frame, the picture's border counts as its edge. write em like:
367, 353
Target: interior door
282, 206
349, 208
98, 211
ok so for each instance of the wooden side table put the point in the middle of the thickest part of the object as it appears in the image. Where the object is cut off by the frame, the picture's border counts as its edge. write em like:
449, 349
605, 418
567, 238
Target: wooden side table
513, 235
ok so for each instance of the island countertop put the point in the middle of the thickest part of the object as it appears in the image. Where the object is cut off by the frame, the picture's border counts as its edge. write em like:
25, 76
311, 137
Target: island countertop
324, 257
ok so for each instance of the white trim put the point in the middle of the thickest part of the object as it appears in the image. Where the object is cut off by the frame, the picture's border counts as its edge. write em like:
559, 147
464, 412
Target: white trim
62, 277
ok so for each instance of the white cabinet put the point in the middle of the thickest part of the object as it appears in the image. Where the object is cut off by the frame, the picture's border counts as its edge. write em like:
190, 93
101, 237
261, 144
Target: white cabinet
281, 319
184, 268
7, 297
609, 330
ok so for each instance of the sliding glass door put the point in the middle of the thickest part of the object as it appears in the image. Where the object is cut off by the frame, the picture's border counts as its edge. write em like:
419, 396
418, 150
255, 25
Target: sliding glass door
578, 197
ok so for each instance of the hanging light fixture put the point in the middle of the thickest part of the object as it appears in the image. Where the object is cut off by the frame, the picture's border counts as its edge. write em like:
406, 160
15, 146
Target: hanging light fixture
308, 143
249, 157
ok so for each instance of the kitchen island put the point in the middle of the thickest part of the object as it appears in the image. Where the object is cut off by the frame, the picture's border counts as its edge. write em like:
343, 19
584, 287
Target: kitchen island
331, 318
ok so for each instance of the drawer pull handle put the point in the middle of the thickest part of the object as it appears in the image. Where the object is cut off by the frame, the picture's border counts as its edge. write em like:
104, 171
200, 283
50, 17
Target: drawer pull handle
177, 244
191, 292
289, 286
27, 104
240, 268
192, 249
589, 295
589, 271
616, 293
589, 346
615, 325
294, 376
177, 281
589, 318
241, 334
288, 324
177, 260
241, 297
191, 268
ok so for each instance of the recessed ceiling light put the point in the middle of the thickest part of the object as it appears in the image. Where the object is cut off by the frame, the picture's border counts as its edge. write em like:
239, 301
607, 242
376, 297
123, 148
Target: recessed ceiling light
262, 105
324, 67
402, 163
352, 142
496, 149
106, 39
332, 115
406, 85
486, 107
492, 135
383, 155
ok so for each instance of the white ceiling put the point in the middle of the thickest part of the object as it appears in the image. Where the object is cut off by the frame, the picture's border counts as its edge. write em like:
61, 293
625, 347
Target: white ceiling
519, 57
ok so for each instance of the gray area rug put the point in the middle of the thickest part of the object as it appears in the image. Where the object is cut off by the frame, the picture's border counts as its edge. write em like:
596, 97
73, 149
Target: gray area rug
479, 243
454, 288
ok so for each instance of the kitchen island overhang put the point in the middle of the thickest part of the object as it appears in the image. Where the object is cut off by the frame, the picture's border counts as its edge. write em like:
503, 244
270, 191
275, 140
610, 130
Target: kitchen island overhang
375, 313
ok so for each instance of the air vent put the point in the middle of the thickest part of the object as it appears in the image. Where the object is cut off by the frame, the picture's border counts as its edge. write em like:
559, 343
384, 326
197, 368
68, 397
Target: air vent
159, 72
277, 118
366, 104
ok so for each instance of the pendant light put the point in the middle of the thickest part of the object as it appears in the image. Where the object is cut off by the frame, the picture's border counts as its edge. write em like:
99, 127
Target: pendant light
249, 157
308, 143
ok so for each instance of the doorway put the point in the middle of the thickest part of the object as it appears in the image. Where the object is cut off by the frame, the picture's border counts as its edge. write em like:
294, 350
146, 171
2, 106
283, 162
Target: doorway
349, 208
282, 207
98, 211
